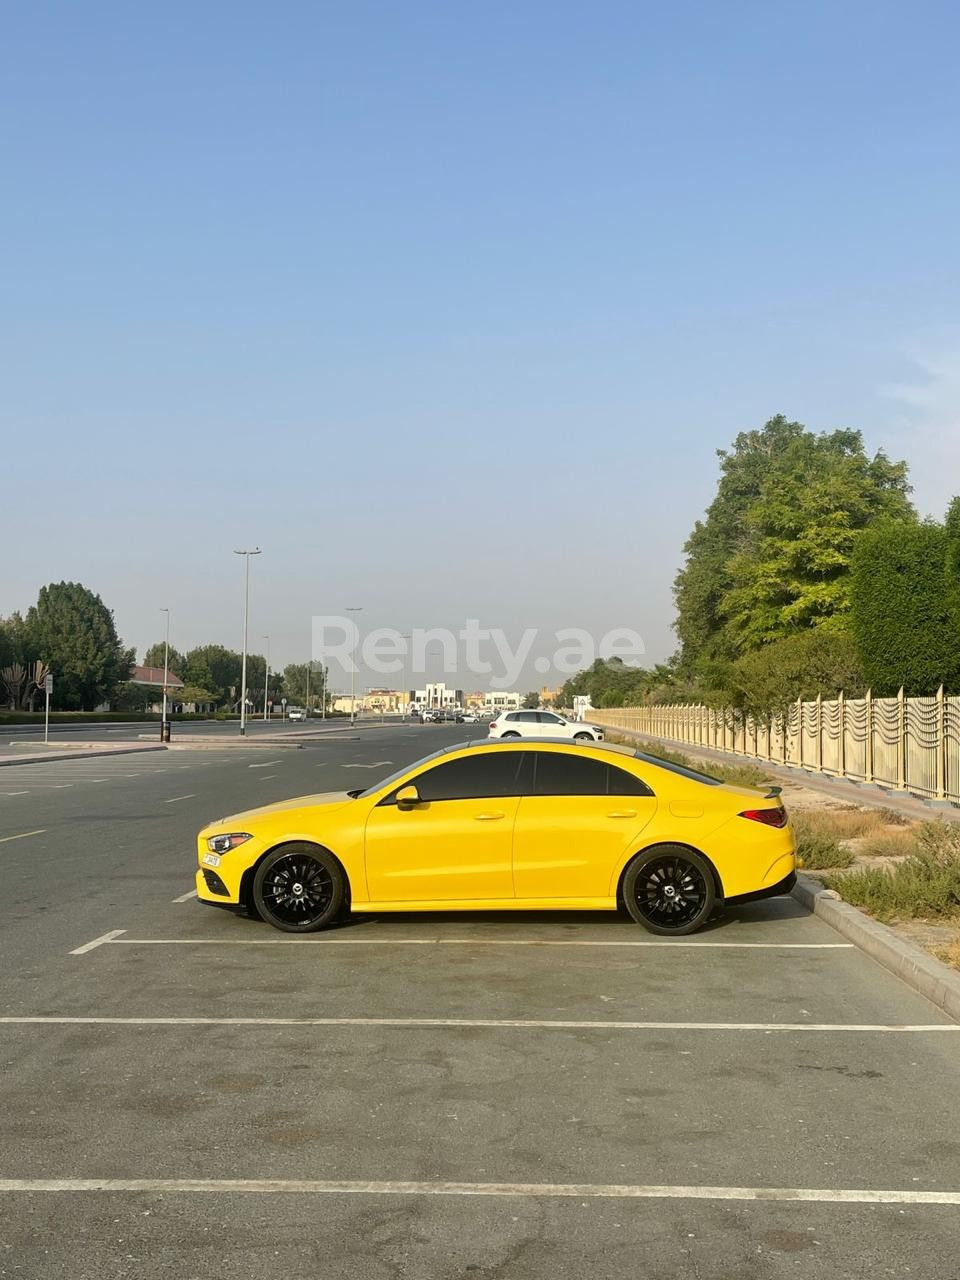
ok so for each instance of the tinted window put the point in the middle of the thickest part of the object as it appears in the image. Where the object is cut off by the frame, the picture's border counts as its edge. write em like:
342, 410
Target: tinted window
563, 775
692, 774
527, 717
547, 718
488, 773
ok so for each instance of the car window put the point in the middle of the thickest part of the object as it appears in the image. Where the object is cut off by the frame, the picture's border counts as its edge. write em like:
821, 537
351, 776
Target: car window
528, 717
511, 715
546, 717
473, 777
571, 775
692, 774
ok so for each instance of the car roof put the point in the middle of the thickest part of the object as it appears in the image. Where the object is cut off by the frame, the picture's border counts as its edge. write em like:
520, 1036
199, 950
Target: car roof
504, 744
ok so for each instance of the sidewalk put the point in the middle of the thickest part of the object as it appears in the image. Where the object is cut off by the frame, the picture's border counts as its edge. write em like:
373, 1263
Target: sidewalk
37, 753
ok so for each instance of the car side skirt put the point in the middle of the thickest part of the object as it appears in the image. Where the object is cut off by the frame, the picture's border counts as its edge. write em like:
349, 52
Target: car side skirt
491, 904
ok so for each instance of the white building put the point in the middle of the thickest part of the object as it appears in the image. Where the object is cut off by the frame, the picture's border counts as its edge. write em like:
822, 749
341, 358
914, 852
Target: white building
437, 695
501, 701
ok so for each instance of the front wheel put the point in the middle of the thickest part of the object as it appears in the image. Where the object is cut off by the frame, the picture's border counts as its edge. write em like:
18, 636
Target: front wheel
583, 737
669, 890
299, 888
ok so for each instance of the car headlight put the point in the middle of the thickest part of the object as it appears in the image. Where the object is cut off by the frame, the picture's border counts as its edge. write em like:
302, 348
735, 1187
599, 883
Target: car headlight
224, 843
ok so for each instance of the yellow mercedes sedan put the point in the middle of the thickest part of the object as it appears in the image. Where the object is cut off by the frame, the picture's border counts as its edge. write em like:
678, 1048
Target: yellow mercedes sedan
530, 824
507, 825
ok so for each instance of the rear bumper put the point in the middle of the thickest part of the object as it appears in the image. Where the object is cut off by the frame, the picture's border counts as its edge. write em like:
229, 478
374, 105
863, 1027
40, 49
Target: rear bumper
777, 890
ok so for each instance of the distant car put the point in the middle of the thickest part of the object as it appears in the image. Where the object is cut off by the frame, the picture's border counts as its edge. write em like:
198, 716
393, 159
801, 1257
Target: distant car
467, 717
296, 713
542, 724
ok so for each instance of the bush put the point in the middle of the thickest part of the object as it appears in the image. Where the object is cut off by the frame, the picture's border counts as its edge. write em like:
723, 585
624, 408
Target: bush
818, 849
927, 884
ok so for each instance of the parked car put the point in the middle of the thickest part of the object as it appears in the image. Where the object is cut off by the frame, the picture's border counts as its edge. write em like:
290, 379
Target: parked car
467, 717
488, 825
296, 713
542, 724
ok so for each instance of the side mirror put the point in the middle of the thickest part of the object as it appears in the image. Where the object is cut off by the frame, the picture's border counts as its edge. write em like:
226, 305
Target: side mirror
408, 797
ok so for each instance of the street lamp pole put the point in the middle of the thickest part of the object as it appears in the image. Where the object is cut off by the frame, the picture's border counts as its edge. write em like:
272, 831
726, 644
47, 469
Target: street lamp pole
166, 667
246, 620
266, 678
404, 704
353, 673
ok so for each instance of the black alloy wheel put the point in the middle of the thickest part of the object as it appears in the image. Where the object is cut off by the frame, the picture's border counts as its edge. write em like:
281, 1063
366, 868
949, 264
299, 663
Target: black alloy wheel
669, 890
299, 888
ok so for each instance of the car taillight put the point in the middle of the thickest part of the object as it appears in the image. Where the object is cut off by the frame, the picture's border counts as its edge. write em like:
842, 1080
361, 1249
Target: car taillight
493, 724
769, 817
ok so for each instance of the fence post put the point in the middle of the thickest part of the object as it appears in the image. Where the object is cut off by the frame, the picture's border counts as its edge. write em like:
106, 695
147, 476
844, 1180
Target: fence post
842, 743
819, 765
868, 753
941, 746
799, 733
901, 741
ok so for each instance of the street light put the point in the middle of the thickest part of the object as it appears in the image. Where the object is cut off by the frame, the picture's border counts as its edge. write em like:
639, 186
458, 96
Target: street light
403, 676
246, 619
266, 678
166, 664
353, 673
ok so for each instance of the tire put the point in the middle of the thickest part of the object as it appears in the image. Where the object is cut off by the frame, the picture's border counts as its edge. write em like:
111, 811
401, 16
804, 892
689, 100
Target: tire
509, 735
669, 890
583, 737
299, 888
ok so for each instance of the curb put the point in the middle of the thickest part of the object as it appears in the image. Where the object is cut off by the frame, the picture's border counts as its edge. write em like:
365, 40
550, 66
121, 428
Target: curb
927, 976
232, 744
79, 755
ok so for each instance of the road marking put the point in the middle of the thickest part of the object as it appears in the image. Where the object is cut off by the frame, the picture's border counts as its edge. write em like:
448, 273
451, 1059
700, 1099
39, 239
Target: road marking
98, 779
479, 942
23, 835
265, 765
16, 793
97, 942
131, 775
174, 799
376, 765
267, 776
522, 1024
511, 1190
60, 786
184, 897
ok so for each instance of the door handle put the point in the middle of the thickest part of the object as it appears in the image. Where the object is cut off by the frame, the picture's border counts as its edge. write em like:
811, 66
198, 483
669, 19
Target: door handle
489, 817
622, 813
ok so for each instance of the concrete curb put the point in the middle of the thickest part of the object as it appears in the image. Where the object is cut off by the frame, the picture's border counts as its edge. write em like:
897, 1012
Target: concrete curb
232, 744
939, 983
75, 754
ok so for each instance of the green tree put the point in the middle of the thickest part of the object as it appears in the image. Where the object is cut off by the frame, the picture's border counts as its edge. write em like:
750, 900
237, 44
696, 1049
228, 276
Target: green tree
72, 630
154, 658
531, 700
213, 667
812, 662
773, 554
905, 611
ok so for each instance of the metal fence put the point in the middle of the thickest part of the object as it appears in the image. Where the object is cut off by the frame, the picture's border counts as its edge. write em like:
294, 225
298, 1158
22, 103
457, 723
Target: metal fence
909, 744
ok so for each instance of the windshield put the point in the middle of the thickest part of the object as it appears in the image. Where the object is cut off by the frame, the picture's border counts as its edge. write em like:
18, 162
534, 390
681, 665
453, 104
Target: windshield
399, 773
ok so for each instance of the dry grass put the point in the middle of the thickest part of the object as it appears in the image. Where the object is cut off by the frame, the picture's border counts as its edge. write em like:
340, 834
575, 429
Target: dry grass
848, 823
925, 885
949, 954
900, 843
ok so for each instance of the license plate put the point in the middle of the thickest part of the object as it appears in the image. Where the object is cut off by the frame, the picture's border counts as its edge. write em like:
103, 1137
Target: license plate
211, 859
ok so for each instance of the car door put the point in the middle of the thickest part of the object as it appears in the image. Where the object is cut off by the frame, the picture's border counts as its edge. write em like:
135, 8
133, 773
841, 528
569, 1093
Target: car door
578, 821
457, 845
553, 726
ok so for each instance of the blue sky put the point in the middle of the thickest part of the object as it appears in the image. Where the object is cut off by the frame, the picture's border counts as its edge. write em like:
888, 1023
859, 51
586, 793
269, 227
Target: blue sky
448, 307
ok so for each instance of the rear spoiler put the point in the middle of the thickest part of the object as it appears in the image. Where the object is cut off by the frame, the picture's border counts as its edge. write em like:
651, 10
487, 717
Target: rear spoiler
772, 793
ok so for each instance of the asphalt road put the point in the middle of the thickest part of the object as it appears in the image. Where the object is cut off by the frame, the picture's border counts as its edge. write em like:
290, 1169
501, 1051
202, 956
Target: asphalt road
99, 731
411, 1097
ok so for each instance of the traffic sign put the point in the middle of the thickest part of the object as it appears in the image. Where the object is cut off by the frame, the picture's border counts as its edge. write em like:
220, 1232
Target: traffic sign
48, 684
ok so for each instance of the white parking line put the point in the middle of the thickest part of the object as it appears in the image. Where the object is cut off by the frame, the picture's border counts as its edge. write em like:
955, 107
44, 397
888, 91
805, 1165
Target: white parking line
375, 765
477, 942
22, 835
174, 799
267, 776
520, 1024
265, 765
16, 793
185, 897
511, 1190
97, 942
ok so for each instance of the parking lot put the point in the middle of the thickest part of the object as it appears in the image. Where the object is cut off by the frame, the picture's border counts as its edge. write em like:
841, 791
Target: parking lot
190, 1093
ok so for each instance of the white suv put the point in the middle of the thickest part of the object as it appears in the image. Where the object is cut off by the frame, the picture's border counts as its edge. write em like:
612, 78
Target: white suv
542, 724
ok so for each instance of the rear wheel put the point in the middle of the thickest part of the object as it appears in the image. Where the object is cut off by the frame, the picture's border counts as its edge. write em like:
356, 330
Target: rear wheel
669, 890
510, 735
299, 888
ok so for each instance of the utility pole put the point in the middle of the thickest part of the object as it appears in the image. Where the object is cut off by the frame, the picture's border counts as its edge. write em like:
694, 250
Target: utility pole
166, 668
353, 673
266, 677
246, 620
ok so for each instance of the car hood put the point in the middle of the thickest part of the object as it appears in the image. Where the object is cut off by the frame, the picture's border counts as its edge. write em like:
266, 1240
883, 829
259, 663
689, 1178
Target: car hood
333, 799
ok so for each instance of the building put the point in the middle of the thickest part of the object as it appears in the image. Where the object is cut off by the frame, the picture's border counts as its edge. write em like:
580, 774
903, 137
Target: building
550, 697
437, 695
151, 678
502, 701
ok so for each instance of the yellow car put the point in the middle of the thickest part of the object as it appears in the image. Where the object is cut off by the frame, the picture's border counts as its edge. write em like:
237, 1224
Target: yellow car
494, 825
